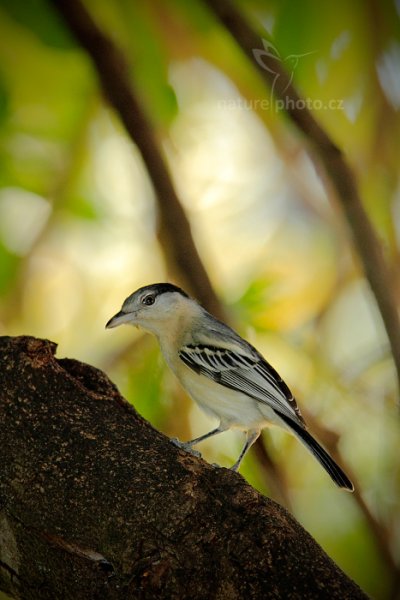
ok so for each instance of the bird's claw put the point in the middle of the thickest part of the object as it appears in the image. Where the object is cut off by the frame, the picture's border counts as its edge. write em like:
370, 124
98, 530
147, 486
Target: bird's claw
185, 446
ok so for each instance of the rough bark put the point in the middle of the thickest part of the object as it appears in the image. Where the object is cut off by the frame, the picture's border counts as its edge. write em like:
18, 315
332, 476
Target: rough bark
94, 503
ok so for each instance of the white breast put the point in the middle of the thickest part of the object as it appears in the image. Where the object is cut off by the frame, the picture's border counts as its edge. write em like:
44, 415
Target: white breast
233, 409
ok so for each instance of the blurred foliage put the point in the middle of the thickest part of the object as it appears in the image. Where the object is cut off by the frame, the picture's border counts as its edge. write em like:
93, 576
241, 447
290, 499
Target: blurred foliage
79, 223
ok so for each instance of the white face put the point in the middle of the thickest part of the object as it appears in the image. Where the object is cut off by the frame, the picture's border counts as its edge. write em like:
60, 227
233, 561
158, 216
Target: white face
147, 308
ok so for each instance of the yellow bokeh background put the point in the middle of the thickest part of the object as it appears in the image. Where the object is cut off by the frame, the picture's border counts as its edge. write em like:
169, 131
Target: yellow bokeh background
79, 226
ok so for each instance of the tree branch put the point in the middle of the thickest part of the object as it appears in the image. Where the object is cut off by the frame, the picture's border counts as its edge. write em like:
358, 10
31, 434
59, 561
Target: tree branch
337, 171
112, 71
97, 504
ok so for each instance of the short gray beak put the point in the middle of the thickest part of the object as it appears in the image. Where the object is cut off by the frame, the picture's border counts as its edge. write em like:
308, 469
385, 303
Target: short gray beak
118, 319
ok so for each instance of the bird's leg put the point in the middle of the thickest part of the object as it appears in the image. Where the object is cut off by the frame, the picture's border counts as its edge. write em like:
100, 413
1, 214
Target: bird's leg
188, 446
205, 436
251, 437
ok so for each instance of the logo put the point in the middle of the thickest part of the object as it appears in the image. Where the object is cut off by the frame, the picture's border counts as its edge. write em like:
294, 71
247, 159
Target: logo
289, 63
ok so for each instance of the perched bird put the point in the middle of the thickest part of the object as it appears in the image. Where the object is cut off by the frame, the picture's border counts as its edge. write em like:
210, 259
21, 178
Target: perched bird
224, 374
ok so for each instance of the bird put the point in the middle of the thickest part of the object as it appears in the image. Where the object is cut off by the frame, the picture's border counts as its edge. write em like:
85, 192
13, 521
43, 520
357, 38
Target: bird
223, 373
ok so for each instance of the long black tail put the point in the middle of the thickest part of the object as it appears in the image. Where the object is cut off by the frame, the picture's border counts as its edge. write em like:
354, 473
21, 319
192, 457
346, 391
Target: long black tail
335, 472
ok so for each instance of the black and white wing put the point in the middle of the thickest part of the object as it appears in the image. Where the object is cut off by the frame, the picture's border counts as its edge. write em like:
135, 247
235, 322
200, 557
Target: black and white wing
245, 372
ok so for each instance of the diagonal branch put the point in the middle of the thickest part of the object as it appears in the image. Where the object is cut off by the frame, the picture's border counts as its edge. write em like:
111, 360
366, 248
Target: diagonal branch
112, 71
97, 504
338, 172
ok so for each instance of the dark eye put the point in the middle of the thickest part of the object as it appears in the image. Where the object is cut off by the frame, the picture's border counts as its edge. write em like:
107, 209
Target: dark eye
148, 300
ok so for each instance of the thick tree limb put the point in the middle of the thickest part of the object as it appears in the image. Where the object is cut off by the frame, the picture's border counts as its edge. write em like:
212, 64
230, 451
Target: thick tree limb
94, 503
337, 171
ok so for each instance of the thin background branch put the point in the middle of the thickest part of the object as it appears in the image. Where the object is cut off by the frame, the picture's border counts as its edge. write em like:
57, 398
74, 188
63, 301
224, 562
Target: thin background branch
338, 173
112, 71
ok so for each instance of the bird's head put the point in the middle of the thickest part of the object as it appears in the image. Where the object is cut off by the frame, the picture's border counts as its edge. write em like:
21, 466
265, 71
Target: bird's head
153, 308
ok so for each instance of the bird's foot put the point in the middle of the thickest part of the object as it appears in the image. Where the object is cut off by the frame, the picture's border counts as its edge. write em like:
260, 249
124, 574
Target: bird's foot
185, 446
